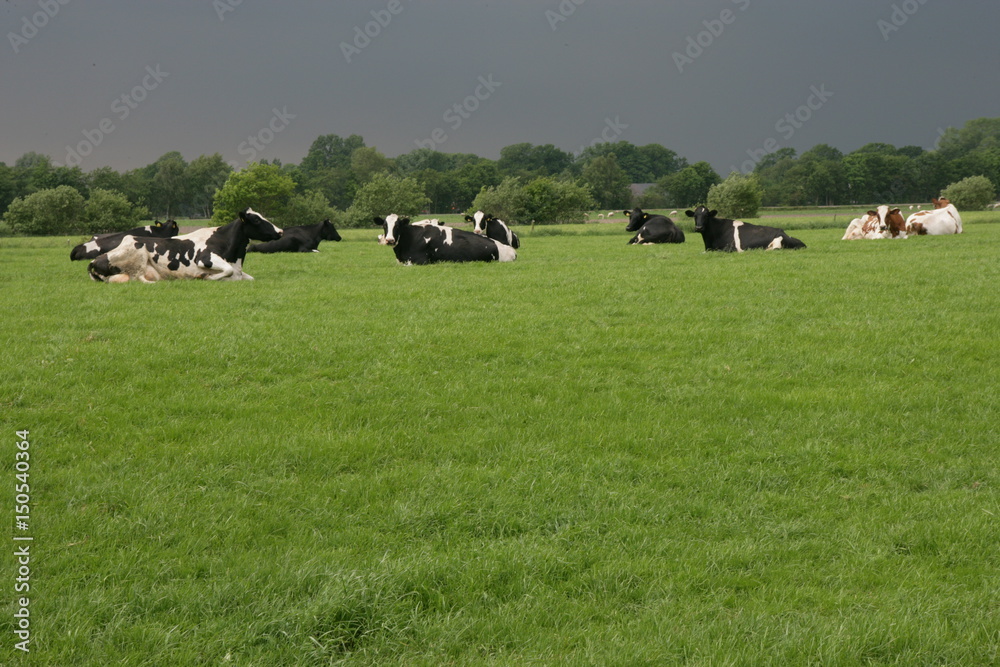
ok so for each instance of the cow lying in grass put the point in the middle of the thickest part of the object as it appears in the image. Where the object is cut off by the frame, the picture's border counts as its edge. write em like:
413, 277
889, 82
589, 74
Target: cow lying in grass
493, 228
882, 223
736, 236
213, 253
429, 243
943, 220
102, 243
301, 238
652, 228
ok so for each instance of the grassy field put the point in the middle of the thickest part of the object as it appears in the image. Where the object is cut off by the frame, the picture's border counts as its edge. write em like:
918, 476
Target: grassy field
599, 454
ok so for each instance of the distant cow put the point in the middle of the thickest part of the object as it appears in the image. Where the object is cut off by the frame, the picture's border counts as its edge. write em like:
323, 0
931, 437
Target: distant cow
882, 223
492, 228
102, 243
428, 243
943, 220
301, 238
736, 236
212, 253
652, 228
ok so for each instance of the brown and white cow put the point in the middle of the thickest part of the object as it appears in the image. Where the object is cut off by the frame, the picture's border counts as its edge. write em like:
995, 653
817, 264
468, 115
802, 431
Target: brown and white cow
882, 223
943, 220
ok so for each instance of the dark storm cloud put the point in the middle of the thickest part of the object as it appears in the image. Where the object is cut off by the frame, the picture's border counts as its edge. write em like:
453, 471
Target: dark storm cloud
722, 81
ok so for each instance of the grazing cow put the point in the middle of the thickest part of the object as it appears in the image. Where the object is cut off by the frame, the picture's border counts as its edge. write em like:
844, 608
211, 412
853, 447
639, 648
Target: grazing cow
302, 238
427, 244
492, 228
943, 220
882, 223
213, 253
652, 228
102, 243
736, 236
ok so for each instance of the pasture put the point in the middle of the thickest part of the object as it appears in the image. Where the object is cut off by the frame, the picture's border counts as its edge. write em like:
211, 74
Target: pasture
598, 454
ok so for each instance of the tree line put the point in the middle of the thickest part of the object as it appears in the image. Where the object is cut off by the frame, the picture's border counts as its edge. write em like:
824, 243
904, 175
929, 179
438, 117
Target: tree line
336, 171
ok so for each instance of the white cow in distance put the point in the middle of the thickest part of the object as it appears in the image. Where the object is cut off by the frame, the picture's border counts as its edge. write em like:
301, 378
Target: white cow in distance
941, 221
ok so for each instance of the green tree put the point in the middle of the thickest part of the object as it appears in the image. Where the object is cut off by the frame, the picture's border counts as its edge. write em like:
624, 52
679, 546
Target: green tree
46, 212
554, 201
608, 182
366, 162
107, 211
308, 209
385, 194
262, 187
168, 185
689, 186
506, 201
205, 175
971, 194
738, 196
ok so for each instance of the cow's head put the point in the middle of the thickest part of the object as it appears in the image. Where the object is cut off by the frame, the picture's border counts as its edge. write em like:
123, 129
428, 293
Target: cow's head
636, 219
701, 217
479, 221
940, 203
258, 227
392, 225
171, 227
328, 232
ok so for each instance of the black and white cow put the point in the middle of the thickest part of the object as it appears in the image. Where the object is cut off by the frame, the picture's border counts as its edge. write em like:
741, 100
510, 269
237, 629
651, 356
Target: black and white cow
301, 238
652, 228
102, 243
213, 253
492, 228
429, 243
736, 236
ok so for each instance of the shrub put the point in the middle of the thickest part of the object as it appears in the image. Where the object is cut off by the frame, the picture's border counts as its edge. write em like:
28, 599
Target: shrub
385, 194
109, 211
262, 187
46, 212
970, 194
505, 201
739, 196
543, 200
309, 209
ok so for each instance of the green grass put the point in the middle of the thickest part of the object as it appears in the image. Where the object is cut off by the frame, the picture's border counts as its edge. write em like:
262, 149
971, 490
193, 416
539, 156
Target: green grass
599, 454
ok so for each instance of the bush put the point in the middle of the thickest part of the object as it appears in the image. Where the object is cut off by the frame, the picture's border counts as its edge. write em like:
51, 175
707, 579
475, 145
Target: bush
385, 194
738, 196
262, 187
109, 211
506, 201
543, 200
971, 194
309, 209
46, 212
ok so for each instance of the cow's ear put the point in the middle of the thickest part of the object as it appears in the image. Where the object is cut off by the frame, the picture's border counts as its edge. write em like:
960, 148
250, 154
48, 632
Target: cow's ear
378, 221
689, 213
402, 222
872, 213
713, 213
646, 216
627, 212
469, 218
243, 214
895, 210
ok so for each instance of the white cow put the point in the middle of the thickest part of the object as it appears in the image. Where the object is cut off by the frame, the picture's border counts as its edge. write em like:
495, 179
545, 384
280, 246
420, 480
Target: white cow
943, 220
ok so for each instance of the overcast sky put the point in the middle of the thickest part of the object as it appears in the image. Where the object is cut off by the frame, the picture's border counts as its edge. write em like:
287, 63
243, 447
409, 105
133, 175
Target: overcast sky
126, 81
